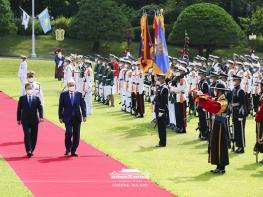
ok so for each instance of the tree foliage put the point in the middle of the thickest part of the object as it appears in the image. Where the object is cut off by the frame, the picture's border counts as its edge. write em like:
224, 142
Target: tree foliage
7, 23
257, 21
99, 20
209, 27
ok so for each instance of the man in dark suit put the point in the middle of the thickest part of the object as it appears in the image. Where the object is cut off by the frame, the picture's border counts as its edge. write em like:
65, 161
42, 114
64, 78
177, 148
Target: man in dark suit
29, 113
70, 104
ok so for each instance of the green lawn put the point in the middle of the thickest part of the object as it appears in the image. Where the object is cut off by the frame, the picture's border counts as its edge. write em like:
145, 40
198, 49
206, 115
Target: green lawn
15, 45
181, 168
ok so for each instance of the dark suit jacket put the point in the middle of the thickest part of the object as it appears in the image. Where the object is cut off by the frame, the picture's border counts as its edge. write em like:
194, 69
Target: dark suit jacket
67, 111
29, 115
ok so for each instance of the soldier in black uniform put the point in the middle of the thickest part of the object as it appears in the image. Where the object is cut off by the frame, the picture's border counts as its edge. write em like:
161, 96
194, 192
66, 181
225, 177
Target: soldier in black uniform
100, 79
109, 84
213, 81
161, 109
202, 114
96, 78
238, 114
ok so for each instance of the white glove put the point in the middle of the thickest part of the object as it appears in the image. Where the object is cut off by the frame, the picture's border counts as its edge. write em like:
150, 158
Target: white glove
160, 114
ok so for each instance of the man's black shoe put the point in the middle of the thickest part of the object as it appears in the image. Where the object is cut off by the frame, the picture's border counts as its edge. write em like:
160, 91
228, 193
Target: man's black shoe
74, 155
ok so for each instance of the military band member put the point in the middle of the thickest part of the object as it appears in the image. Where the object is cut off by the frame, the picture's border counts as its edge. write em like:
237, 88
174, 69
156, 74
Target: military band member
218, 147
258, 148
161, 109
36, 87
202, 114
238, 114
22, 74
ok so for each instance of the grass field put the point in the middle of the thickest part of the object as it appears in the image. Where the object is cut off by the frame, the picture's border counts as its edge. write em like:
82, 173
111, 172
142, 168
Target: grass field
181, 167
15, 45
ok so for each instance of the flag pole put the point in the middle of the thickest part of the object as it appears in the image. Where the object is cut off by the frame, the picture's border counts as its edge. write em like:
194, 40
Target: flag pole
33, 30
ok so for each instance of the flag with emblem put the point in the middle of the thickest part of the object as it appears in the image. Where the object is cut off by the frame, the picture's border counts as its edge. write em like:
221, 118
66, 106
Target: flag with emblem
160, 48
25, 18
146, 48
44, 20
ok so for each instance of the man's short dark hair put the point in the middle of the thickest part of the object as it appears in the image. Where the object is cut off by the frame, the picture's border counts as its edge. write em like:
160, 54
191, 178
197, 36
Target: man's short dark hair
27, 84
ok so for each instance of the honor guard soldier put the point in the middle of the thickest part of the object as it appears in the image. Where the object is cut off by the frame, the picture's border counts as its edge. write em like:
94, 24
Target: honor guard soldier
22, 74
68, 71
109, 84
122, 74
203, 124
180, 88
161, 108
218, 147
213, 82
140, 94
96, 77
128, 85
77, 73
104, 77
87, 86
246, 85
100, 80
171, 98
238, 114
36, 87
256, 89
193, 86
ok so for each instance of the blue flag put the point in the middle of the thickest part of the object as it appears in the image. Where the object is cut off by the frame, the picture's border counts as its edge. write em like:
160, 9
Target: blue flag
161, 53
44, 20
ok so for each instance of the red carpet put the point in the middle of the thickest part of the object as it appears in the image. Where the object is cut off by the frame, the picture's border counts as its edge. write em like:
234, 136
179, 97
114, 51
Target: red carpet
50, 174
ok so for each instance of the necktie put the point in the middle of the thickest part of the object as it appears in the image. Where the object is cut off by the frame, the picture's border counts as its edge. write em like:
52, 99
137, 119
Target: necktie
71, 98
30, 101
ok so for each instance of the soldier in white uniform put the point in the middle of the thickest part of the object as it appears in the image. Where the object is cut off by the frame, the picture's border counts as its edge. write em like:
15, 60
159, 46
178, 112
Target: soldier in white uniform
77, 74
140, 94
181, 91
256, 81
68, 71
171, 99
128, 81
22, 74
87, 87
122, 85
36, 87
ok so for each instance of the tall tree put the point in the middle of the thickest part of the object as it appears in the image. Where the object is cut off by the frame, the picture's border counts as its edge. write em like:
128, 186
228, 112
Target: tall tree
209, 27
7, 24
99, 20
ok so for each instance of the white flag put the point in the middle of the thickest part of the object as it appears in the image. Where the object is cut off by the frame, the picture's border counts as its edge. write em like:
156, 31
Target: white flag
25, 19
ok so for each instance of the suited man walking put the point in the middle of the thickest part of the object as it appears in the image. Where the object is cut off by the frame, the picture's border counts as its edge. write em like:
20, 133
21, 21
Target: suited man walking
29, 114
71, 111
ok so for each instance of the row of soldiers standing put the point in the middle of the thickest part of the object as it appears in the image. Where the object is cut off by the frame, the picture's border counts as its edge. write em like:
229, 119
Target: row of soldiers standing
223, 98
123, 76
